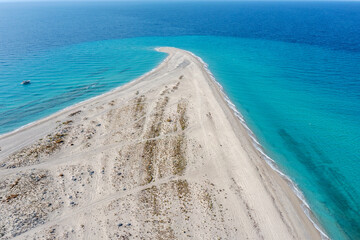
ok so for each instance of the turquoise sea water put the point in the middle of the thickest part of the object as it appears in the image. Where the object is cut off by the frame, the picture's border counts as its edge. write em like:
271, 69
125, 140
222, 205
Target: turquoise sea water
301, 102
298, 92
66, 75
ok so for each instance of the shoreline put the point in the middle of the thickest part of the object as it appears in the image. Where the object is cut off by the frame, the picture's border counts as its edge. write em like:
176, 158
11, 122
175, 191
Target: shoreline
272, 163
69, 108
238, 126
74, 106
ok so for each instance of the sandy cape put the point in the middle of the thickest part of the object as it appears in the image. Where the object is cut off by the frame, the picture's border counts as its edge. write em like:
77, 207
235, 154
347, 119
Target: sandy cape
162, 157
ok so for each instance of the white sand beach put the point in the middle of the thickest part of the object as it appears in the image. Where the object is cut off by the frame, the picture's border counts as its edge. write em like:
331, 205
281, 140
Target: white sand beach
162, 157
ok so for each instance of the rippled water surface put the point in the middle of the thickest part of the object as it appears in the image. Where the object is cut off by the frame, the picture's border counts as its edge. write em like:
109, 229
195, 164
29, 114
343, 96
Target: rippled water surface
292, 69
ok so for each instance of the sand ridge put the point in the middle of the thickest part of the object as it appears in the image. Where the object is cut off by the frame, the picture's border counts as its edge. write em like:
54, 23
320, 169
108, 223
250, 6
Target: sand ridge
162, 157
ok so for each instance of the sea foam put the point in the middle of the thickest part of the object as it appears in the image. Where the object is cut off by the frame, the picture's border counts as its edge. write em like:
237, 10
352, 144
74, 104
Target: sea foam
305, 206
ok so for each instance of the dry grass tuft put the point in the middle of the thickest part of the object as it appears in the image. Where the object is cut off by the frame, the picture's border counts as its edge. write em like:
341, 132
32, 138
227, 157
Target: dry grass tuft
10, 197
139, 104
181, 110
183, 190
67, 122
156, 124
207, 199
179, 162
148, 158
176, 86
33, 153
74, 113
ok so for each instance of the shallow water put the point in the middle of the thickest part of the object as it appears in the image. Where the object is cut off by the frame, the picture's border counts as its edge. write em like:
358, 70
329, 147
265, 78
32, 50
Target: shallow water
299, 95
67, 75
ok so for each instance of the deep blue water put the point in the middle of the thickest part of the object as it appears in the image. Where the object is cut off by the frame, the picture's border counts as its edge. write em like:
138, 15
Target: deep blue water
292, 69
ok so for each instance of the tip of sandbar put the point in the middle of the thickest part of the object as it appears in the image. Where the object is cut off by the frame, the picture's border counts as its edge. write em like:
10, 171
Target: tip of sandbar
165, 49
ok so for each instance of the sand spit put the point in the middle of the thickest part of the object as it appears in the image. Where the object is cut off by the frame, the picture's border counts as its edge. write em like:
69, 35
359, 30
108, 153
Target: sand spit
162, 157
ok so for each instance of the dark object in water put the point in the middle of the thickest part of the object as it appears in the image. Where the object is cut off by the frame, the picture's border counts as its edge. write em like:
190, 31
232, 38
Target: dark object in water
26, 82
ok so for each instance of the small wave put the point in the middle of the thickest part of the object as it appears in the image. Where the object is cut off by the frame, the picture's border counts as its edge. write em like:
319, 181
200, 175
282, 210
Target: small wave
99, 72
124, 70
5, 134
305, 206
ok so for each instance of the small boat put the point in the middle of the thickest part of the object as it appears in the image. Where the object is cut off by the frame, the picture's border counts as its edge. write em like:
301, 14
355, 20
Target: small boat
25, 82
